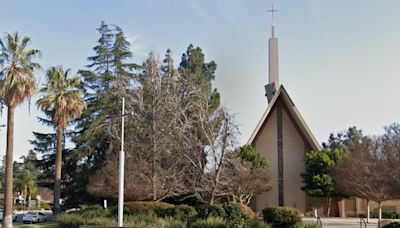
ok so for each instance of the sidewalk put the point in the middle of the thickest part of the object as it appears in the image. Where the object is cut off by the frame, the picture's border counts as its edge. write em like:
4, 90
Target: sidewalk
343, 222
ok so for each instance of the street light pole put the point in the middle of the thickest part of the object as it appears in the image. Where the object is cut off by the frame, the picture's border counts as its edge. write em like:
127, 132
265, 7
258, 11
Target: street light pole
121, 171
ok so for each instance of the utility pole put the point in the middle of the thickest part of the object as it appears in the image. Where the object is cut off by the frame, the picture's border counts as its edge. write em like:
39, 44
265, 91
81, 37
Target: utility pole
121, 171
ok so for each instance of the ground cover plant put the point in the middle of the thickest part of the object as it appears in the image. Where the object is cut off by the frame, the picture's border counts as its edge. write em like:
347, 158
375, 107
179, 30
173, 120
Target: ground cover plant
40, 225
385, 214
392, 225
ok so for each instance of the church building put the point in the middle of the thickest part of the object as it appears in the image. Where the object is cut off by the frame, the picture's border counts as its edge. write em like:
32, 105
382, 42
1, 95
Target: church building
283, 138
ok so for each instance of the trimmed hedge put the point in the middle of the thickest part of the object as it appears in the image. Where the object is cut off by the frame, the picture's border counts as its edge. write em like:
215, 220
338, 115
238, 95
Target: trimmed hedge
143, 207
281, 216
206, 211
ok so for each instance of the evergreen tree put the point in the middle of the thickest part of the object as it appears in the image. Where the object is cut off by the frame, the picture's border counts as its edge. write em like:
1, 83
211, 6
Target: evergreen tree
317, 179
101, 62
168, 68
193, 65
106, 80
44, 146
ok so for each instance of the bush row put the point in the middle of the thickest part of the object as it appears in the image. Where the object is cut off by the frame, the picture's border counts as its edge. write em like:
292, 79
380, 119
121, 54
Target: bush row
234, 213
165, 215
386, 214
75, 220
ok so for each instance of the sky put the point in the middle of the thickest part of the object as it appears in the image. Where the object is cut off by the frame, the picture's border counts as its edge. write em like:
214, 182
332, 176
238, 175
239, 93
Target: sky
339, 59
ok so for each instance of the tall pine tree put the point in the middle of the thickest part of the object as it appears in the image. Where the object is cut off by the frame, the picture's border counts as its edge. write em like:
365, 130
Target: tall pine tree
105, 81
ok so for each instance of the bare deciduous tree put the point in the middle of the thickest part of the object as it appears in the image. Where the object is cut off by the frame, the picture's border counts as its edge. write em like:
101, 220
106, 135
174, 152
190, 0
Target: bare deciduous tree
180, 142
220, 133
371, 170
247, 181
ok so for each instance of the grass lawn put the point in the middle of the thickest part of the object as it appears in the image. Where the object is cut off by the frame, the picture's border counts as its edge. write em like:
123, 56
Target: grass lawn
39, 225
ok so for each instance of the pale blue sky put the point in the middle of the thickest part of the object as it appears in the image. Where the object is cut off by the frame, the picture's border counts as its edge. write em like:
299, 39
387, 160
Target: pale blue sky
339, 59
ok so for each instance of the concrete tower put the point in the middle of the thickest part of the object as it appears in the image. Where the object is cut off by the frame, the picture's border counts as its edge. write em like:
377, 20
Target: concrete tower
273, 60
273, 83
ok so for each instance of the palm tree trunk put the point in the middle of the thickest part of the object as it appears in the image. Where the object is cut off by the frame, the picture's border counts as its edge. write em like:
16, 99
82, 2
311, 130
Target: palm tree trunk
8, 193
57, 177
25, 194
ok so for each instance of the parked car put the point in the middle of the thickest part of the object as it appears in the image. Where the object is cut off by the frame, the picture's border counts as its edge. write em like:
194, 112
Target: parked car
14, 216
33, 217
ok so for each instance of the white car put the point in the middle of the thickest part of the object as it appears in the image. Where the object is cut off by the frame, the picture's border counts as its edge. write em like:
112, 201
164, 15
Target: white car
14, 216
34, 217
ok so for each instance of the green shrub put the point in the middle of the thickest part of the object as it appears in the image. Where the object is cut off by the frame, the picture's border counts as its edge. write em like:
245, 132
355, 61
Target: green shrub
171, 223
141, 219
45, 206
210, 222
151, 220
92, 215
247, 212
256, 224
70, 220
311, 225
233, 214
392, 225
181, 212
206, 211
143, 207
103, 221
281, 216
93, 211
74, 220
385, 214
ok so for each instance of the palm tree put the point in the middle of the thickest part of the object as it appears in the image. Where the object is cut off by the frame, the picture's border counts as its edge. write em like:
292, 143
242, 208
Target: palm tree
17, 83
63, 100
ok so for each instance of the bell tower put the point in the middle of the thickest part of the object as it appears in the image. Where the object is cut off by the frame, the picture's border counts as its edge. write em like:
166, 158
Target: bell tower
273, 80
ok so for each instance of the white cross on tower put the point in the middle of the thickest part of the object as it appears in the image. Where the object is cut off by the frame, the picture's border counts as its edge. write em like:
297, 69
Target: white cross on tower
272, 11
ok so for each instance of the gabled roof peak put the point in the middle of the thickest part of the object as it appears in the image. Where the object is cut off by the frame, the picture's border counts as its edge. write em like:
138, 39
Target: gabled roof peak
292, 110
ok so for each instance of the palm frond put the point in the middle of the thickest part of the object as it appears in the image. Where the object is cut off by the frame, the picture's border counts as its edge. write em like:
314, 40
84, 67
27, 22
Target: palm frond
17, 81
61, 96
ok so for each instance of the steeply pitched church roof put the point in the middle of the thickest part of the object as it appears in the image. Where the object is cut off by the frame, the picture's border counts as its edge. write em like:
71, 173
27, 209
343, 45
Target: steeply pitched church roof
292, 112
